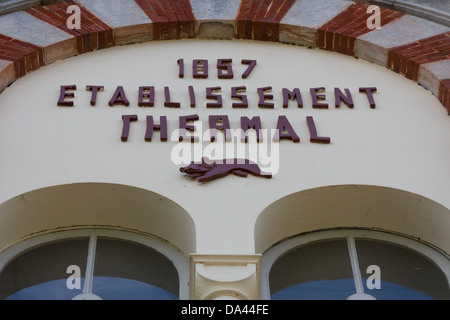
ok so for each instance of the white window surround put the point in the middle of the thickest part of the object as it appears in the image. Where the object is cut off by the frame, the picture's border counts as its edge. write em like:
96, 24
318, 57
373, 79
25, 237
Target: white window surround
275, 252
180, 262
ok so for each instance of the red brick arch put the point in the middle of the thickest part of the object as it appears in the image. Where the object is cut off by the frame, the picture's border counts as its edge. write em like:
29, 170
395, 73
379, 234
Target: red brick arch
423, 57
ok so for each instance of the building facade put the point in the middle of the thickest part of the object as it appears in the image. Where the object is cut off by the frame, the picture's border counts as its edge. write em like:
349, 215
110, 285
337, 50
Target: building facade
223, 150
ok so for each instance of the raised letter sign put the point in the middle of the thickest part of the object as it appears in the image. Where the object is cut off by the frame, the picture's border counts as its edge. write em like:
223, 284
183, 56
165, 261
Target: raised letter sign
119, 97
294, 95
167, 102
192, 96
235, 95
210, 95
252, 64
339, 96
146, 97
200, 69
180, 68
63, 94
184, 127
262, 98
254, 123
368, 91
214, 126
224, 64
285, 130
127, 119
162, 128
316, 97
94, 90
314, 138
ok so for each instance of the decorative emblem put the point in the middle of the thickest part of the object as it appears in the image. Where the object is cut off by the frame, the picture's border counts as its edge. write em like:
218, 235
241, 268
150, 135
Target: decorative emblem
210, 170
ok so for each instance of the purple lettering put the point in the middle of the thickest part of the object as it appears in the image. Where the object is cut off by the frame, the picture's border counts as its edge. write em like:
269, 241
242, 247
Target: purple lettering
200, 69
192, 96
368, 91
146, 97
167, 102
119, 97
184, 127
339, 97
235, 95
151, 126
127, 119
252, 64
210, 95
63, 94
285, 130
224, 64
180, 68
316, 97
95, 90
314, 138
292, 95
262, 98
254, 123
217, 122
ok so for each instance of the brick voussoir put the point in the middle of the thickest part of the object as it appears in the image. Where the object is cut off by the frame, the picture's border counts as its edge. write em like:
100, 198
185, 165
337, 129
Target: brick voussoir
26, 56
406, 59
87, 36
444, 94
171, 19
7, 73
260, 20
349, 24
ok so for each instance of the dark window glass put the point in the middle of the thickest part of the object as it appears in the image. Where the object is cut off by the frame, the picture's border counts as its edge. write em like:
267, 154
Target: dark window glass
318, 271
146, 269
123, 270
323, 271
405, 274
44, 271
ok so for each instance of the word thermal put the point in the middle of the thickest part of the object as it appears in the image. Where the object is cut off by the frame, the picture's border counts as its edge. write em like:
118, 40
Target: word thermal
221, 124
146, 97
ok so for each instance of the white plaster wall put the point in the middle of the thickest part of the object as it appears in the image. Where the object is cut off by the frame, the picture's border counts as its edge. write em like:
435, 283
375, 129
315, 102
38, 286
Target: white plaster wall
403, 143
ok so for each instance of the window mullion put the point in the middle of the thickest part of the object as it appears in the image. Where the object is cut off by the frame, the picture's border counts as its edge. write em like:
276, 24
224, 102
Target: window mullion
89, 277
355, 265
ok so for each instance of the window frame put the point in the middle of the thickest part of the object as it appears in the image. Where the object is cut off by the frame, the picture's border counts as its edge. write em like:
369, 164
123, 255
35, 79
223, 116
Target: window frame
440, 258
180, 261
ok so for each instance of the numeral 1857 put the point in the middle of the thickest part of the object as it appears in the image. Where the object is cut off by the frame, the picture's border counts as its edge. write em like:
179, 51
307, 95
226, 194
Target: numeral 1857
200, 68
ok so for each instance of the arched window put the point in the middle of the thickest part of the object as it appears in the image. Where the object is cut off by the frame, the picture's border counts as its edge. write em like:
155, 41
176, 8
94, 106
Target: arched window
354, 264
93, 264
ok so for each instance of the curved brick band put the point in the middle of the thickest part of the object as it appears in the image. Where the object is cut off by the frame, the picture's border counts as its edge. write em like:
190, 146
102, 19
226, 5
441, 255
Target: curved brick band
414, 47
